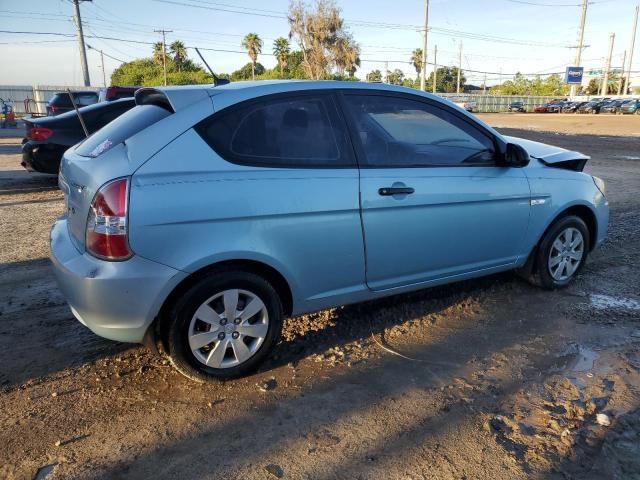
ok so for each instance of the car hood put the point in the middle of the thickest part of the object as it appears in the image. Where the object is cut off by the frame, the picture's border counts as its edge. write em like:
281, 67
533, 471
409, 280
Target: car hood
552, 156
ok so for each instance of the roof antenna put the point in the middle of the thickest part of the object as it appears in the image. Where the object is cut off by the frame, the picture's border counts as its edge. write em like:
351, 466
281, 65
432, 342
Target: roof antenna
216, 80
75, 107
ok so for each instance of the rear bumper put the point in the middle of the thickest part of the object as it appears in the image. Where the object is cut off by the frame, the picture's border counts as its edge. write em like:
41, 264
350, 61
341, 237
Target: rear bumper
42, 157
116, 300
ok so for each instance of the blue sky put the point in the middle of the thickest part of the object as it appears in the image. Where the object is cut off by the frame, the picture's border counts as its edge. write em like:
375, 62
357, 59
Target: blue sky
524, 32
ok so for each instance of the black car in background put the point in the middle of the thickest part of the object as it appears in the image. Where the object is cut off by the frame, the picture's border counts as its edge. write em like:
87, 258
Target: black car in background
61, 103
517, 107
556, 106
571, 107
612, 106
47, 138
593, 106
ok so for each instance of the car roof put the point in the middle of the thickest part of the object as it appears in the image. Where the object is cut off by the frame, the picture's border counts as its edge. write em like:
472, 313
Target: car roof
259, 88
182, 96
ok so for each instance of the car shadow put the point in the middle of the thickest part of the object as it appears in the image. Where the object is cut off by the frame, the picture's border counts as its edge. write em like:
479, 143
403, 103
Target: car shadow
301, 421
359, 322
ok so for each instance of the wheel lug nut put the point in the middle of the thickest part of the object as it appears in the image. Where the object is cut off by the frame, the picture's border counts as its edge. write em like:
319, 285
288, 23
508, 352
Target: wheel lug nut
221, 336
237, 321
235, 335
223, 321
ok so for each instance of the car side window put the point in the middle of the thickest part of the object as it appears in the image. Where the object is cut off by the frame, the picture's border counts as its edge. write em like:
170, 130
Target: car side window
302, 131
400, 132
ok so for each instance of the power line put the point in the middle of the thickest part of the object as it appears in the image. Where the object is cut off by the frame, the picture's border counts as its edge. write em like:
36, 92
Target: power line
383, 25
105, 54
369, 60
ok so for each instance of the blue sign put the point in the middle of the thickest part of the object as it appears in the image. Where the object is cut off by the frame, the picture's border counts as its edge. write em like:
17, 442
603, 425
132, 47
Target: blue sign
573, 75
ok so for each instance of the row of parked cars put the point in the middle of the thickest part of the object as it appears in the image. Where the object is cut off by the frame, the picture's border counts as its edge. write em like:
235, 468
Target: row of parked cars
595, 105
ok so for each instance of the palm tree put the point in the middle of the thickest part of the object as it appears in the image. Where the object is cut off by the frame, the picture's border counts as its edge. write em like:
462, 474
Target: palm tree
416, 60
281, 52
158, 53
252, 43
179, 53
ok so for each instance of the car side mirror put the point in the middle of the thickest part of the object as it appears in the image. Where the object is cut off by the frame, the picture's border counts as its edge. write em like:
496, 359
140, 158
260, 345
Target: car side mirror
515, 156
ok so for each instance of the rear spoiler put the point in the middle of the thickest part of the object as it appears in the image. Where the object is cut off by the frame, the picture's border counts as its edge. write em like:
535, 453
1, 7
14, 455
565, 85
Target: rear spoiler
171, 99
151, 96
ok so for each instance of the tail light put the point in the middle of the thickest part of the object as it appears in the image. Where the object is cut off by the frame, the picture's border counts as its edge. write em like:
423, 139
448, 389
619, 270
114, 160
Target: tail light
39, 134
52, 109
106, 236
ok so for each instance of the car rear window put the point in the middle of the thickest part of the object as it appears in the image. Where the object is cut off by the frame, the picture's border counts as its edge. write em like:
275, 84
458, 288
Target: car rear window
121, 129
60, 100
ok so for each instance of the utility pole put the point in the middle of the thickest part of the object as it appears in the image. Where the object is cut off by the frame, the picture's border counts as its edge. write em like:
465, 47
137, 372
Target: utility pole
459, 68
633, 41
621, 81
104, 74
583, 19
386, 72
83, 50
164, 52
435, 67
423, 79
605, 78
484, 84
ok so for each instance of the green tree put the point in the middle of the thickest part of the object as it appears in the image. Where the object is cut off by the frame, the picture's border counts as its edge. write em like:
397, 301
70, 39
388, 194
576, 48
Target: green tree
248, 72
179, 53
159, 53
416, 61
252, 43
552, 85
447, 79
396, 77
281, 52
149, 71
374, 76
295, 65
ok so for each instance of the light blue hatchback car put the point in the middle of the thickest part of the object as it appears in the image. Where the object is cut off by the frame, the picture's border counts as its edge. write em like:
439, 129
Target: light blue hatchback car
202, 217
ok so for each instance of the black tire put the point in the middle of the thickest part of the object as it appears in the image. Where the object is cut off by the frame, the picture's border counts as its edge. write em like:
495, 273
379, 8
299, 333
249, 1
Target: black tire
177, 326
542, 276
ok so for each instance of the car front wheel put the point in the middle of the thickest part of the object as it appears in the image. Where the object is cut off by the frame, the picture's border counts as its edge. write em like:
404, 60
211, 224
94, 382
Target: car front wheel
562, 252
223, 326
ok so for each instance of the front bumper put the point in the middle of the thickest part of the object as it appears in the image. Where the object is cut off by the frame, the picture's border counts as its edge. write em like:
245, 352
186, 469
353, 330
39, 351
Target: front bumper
602, 218
116, 300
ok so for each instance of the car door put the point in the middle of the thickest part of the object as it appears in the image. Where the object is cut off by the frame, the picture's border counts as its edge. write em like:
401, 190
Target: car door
434, 204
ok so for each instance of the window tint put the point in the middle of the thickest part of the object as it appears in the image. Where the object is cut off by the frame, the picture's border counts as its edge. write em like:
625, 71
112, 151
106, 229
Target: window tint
121, 129
299, 131
399, 132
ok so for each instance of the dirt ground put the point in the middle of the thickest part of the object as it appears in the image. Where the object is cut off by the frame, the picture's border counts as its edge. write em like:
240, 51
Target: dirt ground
497, 379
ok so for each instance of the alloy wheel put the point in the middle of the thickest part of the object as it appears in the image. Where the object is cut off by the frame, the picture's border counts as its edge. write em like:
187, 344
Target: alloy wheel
567, 251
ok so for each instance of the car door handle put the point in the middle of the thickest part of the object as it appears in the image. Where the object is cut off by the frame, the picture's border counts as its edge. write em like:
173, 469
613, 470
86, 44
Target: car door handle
386, 191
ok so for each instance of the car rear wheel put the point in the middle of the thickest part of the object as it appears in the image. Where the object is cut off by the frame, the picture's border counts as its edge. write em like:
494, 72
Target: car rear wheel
561, 253
224, 326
